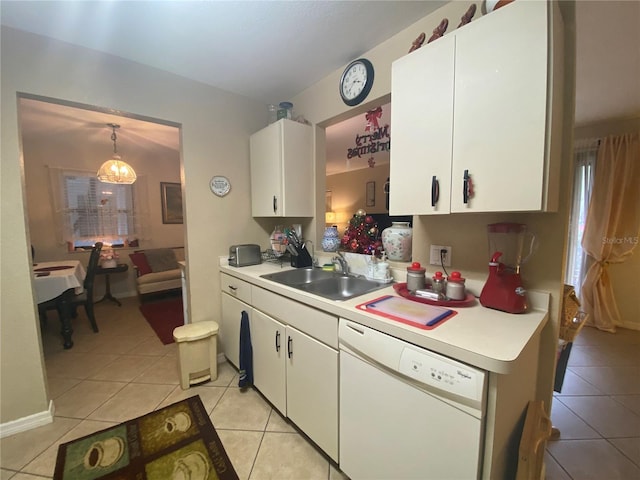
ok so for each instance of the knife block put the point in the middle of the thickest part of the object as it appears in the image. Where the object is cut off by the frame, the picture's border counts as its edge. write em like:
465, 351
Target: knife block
303, 259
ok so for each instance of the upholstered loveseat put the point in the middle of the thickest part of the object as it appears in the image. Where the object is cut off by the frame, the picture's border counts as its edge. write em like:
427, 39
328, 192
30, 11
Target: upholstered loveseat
157, 269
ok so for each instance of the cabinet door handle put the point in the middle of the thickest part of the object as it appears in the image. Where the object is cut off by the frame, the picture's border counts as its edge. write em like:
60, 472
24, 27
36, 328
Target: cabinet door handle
435, 191
275, 204
467, 187
277, 340
289, 347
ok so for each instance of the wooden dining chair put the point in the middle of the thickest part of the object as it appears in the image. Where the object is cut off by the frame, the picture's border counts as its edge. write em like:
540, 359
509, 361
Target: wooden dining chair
85, 299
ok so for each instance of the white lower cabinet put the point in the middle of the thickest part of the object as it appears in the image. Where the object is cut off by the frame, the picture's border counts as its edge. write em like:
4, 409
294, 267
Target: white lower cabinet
268, 340
235, 298
294, 370
312, 389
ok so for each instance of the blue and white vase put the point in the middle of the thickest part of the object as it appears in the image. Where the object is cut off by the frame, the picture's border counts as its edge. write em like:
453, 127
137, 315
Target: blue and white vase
330, 239
396, 241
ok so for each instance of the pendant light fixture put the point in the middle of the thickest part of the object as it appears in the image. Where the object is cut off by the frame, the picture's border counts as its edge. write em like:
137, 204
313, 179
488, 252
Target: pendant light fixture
115, 170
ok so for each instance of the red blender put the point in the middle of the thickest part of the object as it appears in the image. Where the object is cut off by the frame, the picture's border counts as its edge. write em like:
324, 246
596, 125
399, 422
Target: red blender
503, 289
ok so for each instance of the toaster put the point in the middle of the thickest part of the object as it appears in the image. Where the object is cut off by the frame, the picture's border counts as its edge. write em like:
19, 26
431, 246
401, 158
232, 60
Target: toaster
243, 255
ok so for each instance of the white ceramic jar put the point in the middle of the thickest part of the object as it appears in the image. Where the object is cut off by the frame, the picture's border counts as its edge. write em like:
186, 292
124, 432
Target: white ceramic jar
455, 287
396, 241
415, 277
330, 239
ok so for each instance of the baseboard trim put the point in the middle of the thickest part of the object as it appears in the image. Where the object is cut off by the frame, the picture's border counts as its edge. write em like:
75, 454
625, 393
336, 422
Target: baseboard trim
630, 325
27, 423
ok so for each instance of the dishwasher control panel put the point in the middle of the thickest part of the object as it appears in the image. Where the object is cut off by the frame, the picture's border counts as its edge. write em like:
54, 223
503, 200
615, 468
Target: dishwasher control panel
447, 375
422, 366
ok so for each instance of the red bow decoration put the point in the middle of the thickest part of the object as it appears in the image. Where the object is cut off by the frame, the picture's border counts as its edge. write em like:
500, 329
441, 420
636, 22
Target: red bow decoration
371, 162
372, 117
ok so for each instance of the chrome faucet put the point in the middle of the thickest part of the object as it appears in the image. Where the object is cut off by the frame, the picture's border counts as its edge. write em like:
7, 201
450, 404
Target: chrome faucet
344, 266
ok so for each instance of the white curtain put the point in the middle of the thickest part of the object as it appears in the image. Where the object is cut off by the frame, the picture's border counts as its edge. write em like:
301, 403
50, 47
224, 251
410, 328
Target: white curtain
586, 152
64, 230
141, 208
613, 225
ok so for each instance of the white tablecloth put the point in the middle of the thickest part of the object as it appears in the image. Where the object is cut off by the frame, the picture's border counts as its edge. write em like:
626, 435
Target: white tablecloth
58, 281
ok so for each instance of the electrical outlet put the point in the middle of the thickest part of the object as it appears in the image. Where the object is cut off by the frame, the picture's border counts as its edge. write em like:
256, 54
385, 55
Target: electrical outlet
434, 257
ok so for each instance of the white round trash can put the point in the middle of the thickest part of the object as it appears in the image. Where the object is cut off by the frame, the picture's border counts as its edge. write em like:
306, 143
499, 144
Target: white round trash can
197, 352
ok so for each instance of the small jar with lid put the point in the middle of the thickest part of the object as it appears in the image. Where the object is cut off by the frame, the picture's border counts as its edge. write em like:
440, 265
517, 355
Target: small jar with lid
285, 110
415, 277
455, 287
438, 283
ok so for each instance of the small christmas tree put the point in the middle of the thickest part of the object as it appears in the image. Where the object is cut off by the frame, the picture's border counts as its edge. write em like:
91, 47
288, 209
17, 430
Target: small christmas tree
362, 235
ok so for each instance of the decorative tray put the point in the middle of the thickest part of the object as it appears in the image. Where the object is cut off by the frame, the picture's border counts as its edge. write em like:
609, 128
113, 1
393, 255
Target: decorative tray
401, 289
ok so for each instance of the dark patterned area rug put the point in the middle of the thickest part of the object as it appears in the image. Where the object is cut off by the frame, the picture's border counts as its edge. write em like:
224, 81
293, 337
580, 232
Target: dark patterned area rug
175, 442
164, 316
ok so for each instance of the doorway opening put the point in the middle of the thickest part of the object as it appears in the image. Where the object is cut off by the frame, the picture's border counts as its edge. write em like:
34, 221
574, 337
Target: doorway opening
59, 136
63, 146
357, 166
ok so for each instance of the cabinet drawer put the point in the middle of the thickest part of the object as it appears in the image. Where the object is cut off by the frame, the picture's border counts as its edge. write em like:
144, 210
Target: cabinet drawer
235, 287
316, 324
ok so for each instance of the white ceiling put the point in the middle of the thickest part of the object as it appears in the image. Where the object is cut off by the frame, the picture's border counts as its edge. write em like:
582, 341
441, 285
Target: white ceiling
44, 121
266, 50
292, 45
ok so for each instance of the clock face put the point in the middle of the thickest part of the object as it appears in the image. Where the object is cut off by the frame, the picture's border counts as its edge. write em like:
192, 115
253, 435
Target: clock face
356, 81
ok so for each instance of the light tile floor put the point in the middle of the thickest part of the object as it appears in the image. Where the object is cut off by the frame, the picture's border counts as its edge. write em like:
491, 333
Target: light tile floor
125, 371
598, 410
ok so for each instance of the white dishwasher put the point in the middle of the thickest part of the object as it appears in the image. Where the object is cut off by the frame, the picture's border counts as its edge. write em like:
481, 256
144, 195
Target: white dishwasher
406, 412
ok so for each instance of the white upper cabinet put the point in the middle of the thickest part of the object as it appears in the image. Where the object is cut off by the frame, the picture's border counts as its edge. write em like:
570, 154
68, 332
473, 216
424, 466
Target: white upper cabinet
475, 113
422, 128
282, 180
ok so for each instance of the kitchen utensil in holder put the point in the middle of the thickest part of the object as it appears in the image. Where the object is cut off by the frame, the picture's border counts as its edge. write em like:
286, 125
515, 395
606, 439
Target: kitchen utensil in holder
302, 259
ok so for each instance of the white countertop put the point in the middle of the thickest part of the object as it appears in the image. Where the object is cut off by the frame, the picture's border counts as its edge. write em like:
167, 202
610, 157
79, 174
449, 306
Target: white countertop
482, 337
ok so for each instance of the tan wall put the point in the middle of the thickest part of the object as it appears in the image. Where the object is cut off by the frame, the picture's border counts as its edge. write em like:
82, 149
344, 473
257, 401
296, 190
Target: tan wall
215, 141
624, 276
466, 233
348, 193
42, 151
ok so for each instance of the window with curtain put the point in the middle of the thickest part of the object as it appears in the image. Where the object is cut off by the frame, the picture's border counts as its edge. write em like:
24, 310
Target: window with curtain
585, 158
88, 210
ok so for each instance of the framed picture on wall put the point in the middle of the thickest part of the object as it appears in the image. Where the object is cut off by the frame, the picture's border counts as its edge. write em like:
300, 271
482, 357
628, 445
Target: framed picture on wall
171, 195
371, 194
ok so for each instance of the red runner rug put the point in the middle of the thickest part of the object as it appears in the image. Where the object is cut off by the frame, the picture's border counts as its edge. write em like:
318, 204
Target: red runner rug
164, 316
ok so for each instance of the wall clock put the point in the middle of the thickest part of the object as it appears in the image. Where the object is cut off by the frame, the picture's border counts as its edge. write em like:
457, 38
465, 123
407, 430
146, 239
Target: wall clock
356, 81
220, 185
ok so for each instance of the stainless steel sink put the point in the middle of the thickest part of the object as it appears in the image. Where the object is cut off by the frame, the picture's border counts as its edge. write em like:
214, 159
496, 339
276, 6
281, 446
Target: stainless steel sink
331, 285
299, 276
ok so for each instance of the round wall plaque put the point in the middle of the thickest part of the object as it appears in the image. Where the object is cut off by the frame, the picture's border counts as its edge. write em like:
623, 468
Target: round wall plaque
220, 185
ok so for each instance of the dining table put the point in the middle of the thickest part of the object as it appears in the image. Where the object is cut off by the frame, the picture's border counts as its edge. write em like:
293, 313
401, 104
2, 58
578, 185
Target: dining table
59, 281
